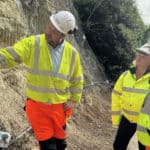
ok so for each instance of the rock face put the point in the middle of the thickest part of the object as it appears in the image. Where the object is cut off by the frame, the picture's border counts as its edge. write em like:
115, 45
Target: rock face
90, 126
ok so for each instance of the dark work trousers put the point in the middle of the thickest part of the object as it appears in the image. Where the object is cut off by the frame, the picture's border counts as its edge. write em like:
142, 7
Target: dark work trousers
141, 147
53, 144
125, 132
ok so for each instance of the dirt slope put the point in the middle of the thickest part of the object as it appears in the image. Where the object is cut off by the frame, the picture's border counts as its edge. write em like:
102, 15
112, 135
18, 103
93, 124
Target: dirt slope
89, 128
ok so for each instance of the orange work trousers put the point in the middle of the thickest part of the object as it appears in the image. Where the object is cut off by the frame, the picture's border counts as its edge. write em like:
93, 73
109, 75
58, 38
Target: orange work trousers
147, 148
47, 120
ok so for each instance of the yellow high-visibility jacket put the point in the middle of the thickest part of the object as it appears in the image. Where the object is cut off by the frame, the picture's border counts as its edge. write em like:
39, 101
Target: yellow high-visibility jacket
143, 124
128, 96
43, 84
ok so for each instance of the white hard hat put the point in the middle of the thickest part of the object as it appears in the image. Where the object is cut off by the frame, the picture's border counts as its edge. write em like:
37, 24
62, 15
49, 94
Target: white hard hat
64, 21
144, 49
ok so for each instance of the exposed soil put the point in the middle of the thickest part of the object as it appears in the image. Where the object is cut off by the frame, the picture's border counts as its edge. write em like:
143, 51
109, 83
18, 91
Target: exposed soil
89, 128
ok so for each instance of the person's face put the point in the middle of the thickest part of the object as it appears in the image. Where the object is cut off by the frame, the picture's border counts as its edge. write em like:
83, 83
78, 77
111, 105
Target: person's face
142, 59
53, 36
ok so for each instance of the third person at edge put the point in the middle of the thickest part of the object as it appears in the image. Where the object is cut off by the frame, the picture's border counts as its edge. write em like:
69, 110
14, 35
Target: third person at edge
128, 95
143, 123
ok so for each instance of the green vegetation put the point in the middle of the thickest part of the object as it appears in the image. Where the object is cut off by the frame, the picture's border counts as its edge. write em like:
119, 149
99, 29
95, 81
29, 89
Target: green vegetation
114, 30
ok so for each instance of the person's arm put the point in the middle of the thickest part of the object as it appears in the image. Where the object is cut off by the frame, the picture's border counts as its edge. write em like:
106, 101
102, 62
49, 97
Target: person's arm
16, 54
144, 121
76, 84
148, 124
144, 115
116, 101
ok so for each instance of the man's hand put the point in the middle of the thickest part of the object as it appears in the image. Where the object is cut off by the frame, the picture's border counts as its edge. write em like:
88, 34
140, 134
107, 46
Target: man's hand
69, 105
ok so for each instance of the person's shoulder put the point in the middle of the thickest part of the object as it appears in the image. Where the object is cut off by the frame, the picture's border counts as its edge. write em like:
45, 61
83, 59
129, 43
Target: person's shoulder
123, 74
35, 36
27, 37
68, 43
71, 46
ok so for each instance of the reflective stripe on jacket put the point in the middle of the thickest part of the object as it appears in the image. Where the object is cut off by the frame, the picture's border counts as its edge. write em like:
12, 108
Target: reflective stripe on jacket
42, 83
143, 124
128, 96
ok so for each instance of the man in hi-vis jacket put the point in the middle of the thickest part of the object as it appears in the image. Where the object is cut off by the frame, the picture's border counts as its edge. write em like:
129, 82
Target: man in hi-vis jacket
54, 78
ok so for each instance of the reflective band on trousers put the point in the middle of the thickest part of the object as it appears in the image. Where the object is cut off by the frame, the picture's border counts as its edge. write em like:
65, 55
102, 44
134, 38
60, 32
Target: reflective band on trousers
133, 90
131, 112
142, 129
14, 54
116, 92
116, 112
